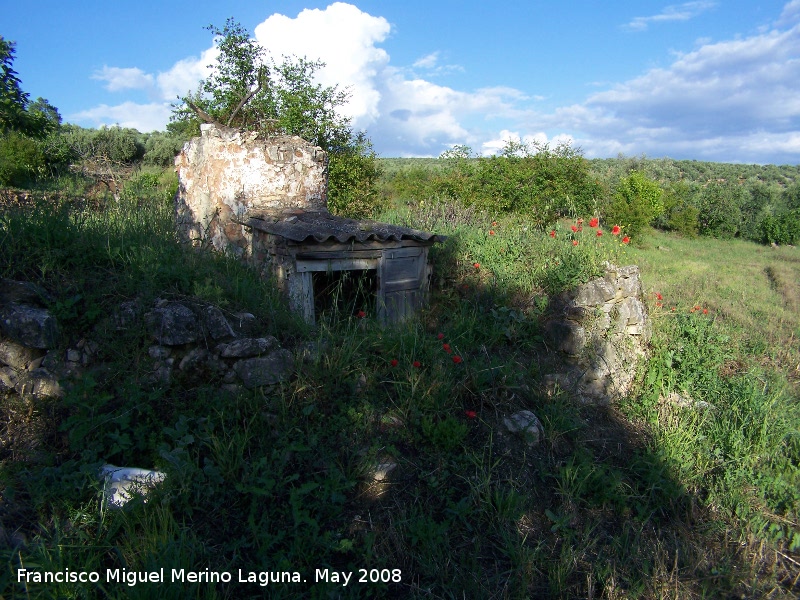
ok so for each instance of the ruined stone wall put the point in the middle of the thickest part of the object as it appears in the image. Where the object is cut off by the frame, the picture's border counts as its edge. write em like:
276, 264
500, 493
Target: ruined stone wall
225, 174
600, 330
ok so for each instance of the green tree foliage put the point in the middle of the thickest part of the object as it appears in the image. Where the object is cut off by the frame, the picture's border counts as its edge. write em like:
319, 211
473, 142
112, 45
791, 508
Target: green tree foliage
720, 210
536, 180
23, 126
781, 229
246, 91
680, 209
636, 203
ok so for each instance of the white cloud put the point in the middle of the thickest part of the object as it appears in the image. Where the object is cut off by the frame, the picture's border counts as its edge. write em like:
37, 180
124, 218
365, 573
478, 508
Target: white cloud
740, 90
343, 37
790, 14
185, 75
118, 79
144, 117
673, 12
427, 62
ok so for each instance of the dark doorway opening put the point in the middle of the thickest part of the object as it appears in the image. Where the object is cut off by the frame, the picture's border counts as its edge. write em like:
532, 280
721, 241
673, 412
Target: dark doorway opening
345, 293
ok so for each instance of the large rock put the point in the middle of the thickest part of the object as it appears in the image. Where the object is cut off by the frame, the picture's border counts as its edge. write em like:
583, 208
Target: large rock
215, 324
16, 355
247, 347
28, 325
274, 368
173, 324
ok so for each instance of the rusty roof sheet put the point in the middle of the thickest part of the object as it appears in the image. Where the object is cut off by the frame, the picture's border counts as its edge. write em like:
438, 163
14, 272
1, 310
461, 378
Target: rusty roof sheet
322, 226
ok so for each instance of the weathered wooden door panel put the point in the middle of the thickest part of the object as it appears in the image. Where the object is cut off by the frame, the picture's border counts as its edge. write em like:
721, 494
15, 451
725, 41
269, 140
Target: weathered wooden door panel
402, 277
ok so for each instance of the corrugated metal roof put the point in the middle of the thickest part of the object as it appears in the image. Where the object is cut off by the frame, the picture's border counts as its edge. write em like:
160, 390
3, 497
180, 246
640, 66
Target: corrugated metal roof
322, 226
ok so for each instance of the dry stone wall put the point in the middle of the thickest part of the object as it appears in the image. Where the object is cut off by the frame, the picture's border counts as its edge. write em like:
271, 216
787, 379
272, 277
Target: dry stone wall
600, 331
226, 173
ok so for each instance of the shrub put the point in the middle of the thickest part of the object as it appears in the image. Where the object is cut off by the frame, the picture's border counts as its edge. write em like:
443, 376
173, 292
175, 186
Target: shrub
21, 160
636, 203
720, 214
781, 229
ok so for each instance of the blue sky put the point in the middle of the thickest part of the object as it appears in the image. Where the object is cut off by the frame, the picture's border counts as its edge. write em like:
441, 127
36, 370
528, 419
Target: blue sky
707, 79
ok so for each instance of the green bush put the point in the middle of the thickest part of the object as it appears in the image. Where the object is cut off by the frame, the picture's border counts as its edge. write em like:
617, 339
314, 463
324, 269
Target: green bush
21, 160
353, 173
636, 203
720, 212
781, 229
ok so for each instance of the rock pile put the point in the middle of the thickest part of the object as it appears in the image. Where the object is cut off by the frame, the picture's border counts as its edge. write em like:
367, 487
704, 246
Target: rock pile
191, 339
601, 330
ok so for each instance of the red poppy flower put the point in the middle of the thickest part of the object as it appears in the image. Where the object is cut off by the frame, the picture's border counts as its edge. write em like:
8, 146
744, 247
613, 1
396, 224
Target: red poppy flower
659, 296
599, 232
446, 348
471, 414
705, 311
580, 227
393, 362
615, 230
361, 314
456, 359
553, 233
594, 222
491, 232
658, 304
574, 228
416, 364
440, 336
580, 221
574, 242
477, 265
494, 223
626, 239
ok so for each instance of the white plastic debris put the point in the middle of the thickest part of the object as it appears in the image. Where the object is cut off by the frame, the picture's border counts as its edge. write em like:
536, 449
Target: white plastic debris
124, 483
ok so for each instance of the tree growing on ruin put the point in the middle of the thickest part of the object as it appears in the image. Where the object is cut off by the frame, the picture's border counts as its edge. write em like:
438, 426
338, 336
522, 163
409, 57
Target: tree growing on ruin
248, 90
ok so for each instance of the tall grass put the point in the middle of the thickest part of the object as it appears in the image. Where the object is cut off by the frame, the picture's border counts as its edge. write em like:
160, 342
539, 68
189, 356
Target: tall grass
640, 500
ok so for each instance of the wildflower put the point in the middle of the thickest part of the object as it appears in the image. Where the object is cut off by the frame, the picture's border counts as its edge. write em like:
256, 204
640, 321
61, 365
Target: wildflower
416, 364
491, 232
440, 336
673, 309
705, 311
477, 265
658, 304
457, 359
471, 414
361, 314
393, 362
615, 230
599, 232
594, 222
580, 227
446, 348
626, 239
574, 228
580, 221
553, 233
659, 296
574, 242
494, 223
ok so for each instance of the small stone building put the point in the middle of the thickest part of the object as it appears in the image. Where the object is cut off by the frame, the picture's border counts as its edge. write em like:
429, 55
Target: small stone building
265, 201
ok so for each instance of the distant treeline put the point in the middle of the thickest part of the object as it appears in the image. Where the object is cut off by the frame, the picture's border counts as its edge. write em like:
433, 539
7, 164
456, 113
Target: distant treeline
724, 200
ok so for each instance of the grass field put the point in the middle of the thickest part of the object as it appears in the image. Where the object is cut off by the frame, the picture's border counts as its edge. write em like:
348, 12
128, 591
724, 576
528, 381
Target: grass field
639, 500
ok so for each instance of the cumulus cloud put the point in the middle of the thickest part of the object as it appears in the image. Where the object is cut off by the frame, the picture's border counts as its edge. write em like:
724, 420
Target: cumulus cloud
354, 61
144, 117
118, 79
734, 99
674, 12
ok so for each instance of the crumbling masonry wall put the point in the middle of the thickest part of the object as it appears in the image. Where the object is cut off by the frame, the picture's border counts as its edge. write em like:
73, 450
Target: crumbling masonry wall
225, 174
